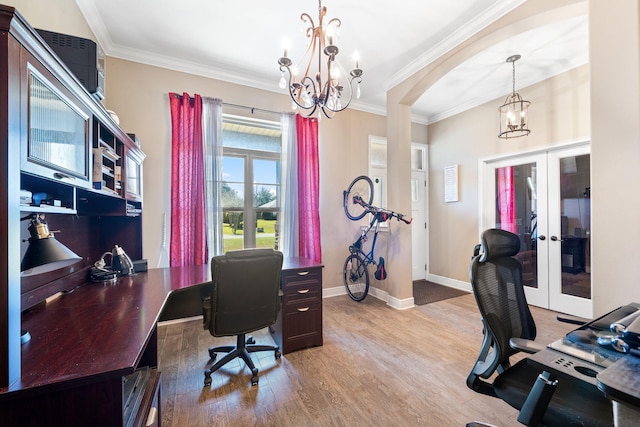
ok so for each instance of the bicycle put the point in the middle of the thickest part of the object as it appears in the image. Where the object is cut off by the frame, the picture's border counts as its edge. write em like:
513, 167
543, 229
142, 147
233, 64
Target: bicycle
357, 199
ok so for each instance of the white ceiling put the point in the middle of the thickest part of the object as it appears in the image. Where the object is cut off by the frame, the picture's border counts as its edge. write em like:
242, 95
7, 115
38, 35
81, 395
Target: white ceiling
240, 41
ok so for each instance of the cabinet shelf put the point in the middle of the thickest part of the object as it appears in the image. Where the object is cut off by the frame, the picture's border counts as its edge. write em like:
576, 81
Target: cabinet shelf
107, 153
105, 165
48, 209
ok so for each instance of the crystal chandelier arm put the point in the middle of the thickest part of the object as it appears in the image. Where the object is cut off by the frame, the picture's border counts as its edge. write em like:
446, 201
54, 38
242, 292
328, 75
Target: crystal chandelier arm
335, 21
307, 19
319, 87
341, 102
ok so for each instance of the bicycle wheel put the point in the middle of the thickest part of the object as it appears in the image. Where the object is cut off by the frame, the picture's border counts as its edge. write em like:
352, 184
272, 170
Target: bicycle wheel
363, 187
356, 277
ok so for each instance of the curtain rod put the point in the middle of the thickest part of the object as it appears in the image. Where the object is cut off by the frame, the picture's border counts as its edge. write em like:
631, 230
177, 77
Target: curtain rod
252, 109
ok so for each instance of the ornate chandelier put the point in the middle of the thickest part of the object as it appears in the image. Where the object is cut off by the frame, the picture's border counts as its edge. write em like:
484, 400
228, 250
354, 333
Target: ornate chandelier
321, 87
514, 112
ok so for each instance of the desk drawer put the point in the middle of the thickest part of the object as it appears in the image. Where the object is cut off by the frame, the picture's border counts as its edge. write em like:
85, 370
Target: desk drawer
302, 292
296, 278
304, 325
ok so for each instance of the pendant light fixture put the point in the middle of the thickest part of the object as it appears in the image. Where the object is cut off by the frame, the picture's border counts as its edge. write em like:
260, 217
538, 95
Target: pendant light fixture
322, 85
514, 119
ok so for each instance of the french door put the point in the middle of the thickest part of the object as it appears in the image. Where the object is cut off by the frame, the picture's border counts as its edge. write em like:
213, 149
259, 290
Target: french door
545, 198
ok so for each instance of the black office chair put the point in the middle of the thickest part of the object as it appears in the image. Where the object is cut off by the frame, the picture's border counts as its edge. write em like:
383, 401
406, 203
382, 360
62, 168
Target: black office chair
496, 280
243, 298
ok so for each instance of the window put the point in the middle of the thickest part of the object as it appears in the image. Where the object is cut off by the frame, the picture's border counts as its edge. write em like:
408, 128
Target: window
251, 173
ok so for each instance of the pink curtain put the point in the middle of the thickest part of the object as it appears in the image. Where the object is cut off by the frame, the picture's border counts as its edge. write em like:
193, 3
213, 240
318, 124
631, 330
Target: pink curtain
188, 243
308, 188
507, 199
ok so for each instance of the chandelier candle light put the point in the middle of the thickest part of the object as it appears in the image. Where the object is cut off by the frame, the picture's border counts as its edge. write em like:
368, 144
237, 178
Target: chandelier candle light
320, 87
514, 112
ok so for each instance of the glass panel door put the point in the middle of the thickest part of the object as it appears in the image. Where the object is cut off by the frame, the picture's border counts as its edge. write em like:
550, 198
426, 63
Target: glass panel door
250, 201
266, 191
570, 232
546, 200
515, 197
58, 129
233, 202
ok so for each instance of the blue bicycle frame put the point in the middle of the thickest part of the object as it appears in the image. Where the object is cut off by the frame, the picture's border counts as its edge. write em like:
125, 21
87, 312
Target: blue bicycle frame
378, 217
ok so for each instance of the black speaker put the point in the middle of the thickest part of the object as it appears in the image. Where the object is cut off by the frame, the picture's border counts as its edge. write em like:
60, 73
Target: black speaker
83, 57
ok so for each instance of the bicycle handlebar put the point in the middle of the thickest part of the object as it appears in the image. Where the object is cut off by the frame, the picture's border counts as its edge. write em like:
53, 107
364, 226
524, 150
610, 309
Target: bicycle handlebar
381, 214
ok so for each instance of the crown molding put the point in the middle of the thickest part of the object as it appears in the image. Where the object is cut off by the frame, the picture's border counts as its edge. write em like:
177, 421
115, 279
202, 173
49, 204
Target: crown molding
498, 94
490, 15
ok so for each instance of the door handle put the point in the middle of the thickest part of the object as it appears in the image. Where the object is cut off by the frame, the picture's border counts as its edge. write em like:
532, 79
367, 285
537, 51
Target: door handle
555, 239
541, 237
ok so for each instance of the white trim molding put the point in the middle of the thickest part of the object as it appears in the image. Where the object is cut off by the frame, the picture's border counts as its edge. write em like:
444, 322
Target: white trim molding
398, 304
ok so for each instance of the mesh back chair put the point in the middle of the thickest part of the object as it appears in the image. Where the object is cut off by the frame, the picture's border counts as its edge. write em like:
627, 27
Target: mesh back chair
496, 280
243, 297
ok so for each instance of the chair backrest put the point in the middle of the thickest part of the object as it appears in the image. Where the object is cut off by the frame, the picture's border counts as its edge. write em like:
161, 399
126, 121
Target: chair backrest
496, 281
244, 291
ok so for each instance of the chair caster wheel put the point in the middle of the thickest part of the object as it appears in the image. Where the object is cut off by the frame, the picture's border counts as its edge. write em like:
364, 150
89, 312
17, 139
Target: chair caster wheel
207, 379
250, 340
254, 377
277, 354
212, 354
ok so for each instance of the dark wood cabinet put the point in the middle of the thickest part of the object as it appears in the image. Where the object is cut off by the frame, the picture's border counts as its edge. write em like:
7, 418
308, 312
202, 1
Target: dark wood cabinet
55, 124
73, 160
299, 323
59, 143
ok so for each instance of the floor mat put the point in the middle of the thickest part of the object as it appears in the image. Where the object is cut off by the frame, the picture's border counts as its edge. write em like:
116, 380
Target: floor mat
425, 292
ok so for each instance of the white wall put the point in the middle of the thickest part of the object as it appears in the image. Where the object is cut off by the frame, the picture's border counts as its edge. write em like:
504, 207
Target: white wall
559, 113
615, 131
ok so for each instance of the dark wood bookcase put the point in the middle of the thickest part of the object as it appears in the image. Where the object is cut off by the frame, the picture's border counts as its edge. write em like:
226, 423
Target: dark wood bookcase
58, 142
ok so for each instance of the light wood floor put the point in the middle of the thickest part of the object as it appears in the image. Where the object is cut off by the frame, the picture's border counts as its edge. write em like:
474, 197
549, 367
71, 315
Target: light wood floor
378, 367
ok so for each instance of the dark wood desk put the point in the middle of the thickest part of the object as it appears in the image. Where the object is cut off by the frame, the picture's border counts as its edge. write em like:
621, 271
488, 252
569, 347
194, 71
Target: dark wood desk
85, 342
615, 374
83, 345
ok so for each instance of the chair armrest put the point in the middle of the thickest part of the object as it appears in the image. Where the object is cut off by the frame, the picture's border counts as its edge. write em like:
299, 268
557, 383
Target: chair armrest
525, 345
571, 319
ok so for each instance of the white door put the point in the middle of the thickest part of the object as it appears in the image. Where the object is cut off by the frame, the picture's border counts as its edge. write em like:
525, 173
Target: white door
515, 199
419, 240
419, 198
545, 199
570, 232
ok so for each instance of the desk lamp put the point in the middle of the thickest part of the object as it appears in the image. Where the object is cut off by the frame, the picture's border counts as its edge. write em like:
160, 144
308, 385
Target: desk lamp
43, 254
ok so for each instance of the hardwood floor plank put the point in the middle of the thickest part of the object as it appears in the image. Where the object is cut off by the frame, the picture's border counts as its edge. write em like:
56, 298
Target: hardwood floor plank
378, 366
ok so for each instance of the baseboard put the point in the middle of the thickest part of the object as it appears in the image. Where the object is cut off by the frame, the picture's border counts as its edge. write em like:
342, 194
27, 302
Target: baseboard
452, 283
333, 292
401, 304
398, 304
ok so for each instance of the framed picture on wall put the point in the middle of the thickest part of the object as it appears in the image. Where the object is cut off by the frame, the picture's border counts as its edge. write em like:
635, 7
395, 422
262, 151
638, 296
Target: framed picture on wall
451, 183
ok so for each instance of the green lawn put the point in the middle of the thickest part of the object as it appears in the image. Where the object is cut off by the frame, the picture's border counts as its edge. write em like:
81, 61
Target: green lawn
267, 225
235, 241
